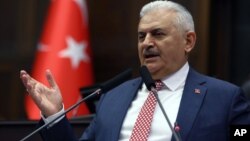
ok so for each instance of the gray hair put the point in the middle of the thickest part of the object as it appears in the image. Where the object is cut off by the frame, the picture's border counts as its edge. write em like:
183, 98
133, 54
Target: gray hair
184, 19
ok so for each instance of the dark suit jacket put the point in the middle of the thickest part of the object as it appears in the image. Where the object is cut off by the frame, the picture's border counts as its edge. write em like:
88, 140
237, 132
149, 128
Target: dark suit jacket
202, 116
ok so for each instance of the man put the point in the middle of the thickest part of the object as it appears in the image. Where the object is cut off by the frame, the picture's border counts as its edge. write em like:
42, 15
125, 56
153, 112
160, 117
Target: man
202, 107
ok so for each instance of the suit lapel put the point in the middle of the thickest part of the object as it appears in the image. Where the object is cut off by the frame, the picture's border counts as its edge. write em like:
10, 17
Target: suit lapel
127, 97
191, 102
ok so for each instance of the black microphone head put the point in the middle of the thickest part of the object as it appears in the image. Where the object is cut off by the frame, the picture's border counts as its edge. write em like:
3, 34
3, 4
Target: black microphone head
146, 77
117, 80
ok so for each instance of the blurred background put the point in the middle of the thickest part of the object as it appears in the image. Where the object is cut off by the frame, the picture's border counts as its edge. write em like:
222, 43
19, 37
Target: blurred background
222, 49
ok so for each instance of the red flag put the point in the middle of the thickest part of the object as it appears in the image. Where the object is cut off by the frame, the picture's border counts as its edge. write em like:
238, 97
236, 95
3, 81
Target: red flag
64, 49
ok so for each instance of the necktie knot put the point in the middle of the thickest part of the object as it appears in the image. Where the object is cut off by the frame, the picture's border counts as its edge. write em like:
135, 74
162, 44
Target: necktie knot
159, 84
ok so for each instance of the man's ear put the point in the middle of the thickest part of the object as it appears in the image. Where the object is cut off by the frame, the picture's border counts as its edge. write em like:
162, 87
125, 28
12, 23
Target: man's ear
190, 41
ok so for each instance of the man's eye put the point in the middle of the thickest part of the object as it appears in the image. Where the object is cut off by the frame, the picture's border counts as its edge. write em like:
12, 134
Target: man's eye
158, 33
141, 36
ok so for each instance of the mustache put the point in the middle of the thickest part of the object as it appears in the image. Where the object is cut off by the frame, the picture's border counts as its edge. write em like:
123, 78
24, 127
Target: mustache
150, 52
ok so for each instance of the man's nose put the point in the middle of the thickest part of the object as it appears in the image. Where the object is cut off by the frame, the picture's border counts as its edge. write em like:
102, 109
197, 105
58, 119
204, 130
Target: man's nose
148, 40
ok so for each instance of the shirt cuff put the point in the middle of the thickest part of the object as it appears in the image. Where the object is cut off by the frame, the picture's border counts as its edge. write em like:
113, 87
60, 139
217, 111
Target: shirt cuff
52, 117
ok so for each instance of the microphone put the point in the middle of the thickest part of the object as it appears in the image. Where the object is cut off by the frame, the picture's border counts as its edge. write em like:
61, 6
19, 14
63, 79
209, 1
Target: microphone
104, 87
150, 84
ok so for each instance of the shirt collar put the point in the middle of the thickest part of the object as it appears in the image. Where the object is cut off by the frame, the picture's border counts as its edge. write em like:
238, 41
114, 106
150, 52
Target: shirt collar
177, 79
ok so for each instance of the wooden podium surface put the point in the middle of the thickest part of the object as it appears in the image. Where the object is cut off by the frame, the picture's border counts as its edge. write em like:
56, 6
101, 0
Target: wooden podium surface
17, 130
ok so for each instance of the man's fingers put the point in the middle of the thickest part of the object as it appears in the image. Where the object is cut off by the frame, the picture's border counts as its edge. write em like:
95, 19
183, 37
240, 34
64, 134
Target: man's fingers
51, 79
28, 81
24, 77
22, 72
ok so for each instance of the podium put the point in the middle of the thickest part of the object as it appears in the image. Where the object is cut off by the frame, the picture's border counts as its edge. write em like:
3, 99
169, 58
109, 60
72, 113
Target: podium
17, 130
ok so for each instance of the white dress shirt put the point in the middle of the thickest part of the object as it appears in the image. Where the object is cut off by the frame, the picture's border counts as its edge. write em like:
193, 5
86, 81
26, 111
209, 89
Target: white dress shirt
170, 97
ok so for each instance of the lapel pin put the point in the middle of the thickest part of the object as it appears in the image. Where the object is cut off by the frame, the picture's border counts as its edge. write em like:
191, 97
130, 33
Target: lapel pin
197, 91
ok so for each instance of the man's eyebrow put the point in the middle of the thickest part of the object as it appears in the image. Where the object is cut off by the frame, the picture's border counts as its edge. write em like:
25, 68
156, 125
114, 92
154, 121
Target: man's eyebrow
151, 30
157, 29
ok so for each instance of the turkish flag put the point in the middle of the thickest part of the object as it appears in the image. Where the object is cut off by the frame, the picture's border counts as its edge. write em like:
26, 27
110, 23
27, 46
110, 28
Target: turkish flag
64, 49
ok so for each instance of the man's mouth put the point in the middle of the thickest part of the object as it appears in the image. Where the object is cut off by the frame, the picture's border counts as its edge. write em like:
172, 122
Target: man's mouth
148, 55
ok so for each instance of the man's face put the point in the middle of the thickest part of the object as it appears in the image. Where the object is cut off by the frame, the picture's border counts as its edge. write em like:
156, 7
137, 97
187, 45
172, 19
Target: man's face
161, 46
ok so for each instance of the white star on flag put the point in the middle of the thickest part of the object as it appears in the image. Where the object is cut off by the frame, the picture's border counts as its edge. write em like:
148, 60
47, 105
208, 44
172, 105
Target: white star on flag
76, 52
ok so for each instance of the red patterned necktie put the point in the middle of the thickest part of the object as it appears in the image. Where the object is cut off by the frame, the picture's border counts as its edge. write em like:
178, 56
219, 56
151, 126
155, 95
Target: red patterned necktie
142, 125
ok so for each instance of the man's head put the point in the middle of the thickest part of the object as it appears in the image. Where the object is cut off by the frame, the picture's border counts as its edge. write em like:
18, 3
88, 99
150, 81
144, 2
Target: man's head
165, 37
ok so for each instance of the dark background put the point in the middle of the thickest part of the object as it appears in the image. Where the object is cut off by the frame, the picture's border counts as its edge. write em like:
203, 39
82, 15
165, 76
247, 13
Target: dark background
222, 49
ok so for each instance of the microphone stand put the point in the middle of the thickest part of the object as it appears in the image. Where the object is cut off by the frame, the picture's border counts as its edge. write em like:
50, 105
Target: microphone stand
97, 92
177, 138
